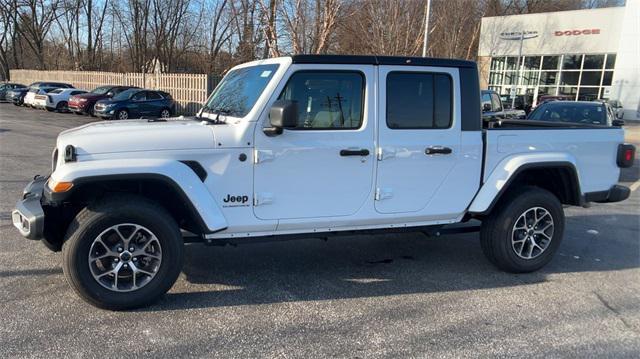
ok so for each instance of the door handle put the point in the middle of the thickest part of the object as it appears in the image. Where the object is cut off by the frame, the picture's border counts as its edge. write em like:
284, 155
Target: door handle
360, 152
437, 150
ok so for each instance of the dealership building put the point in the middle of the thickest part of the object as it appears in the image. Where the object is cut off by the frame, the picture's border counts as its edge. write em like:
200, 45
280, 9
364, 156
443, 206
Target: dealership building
582, 54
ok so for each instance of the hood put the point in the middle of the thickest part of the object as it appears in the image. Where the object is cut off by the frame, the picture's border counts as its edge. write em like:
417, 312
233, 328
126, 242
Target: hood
89, 95
138, 135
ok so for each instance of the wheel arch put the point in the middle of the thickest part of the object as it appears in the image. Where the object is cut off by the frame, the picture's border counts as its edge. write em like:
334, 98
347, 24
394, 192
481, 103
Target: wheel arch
175, 185
558, 176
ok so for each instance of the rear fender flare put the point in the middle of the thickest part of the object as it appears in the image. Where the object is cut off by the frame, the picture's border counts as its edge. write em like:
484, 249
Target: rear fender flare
503, 174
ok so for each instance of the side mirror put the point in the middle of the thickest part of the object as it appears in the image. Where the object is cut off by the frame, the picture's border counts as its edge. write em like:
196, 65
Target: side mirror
110, 94
486, 107
620, 113
617, 123
283, 114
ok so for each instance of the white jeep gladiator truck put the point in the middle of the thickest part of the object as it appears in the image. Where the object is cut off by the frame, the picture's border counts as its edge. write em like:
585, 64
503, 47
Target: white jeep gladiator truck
312, 146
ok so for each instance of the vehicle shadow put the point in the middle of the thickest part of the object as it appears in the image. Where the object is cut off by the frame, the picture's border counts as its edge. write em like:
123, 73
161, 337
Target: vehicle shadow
384, 265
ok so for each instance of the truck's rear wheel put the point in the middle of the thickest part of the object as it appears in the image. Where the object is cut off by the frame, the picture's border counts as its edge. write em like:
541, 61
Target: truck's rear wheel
524, 231
122, 253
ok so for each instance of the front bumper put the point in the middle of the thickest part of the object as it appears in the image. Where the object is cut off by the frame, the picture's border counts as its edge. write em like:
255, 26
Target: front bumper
28, 216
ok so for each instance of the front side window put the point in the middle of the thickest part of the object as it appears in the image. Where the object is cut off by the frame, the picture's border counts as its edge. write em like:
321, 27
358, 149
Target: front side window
326, 99
240, 89
125, 95
419, 100
140, 96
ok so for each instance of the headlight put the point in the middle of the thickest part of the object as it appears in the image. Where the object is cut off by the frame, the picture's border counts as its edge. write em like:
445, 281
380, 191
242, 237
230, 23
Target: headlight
82, 100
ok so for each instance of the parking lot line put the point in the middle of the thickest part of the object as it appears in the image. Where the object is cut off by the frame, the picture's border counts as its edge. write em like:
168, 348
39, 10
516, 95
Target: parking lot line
635, 186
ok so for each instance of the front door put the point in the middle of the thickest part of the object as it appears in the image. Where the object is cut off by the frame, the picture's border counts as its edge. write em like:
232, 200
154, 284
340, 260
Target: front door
324, 166
419, 138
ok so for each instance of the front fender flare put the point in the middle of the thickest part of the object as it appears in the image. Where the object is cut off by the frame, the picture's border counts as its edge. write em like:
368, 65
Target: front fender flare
174, 173
498, 181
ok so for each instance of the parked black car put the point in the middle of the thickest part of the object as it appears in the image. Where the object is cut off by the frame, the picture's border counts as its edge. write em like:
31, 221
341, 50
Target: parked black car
16, 96
494, 110
6, 87
582, 112
136, 103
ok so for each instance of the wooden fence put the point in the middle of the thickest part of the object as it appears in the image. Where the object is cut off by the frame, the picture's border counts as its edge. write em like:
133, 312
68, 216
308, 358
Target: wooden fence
188, 90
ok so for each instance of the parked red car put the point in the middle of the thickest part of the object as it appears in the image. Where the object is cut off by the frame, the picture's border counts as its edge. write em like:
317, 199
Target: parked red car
84, 103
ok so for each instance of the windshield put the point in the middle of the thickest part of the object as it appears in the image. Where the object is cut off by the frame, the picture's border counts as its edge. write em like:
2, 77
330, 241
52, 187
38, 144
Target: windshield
239, 90
124, 95
574, 112
101, 90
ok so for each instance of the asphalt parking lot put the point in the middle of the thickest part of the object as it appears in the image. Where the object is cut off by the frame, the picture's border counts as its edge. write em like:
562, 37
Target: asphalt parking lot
358, 297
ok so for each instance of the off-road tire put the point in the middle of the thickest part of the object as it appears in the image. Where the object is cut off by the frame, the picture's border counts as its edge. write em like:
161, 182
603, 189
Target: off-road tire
496, 232
93, 220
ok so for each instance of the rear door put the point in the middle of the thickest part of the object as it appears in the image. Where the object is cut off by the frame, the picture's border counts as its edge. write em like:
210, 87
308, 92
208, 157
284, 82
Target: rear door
419, 138
137, 105
155, 103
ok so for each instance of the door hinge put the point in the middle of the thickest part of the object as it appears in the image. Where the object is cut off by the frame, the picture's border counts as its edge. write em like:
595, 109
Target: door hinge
383, 193
261, 156
262, 198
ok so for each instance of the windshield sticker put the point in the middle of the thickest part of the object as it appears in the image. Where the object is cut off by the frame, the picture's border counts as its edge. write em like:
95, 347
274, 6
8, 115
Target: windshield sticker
599, 109
265, 73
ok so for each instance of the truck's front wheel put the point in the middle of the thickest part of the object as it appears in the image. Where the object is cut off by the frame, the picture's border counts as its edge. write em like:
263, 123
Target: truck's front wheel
122, 253
524, 231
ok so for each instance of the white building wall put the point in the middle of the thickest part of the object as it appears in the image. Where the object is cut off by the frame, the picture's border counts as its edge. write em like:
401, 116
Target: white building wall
553, 33
626, 77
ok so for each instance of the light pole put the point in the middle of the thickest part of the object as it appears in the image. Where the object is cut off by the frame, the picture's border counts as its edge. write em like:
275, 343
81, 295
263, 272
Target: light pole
513, 97
521, 36
426, 29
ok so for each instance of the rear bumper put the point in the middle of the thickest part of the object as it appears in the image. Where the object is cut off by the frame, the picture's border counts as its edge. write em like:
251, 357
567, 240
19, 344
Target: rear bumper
28, 216
616, 193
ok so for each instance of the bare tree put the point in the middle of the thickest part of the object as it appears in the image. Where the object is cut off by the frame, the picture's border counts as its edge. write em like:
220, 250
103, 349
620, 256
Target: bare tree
310, 24
36, 18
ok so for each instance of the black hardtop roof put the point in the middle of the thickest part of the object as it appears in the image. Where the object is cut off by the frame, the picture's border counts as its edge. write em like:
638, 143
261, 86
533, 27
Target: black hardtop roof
381, 60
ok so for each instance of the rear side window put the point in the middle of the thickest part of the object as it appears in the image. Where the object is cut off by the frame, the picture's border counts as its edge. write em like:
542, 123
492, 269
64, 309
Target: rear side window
419, 100
330, 100
153, 96
76, 92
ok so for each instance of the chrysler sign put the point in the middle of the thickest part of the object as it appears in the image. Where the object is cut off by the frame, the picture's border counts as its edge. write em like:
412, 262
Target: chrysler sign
515, 35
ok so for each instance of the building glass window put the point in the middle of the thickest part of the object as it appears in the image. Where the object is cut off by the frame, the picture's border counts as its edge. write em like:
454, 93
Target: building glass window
584, 75
591, 78
611, 61
532, 63
569, 78
572, 62
606, 79
550, 62
588, 93
593, 62
497, 64
548, 78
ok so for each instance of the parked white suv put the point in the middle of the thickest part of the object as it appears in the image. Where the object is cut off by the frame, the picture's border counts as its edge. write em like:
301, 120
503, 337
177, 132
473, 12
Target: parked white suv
313, 146
56, 100
40, 88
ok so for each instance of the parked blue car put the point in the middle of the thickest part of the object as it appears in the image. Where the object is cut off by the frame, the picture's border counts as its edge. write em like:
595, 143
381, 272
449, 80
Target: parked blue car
136, 103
